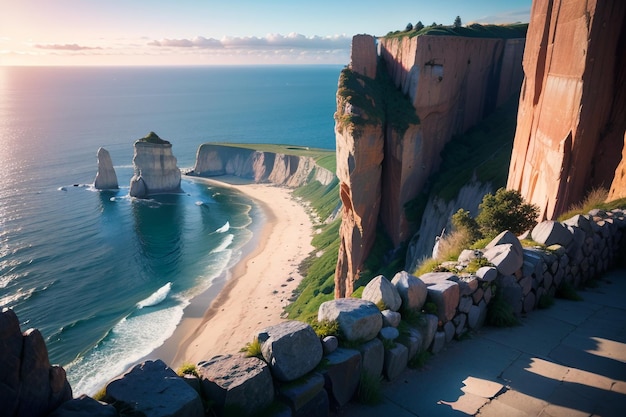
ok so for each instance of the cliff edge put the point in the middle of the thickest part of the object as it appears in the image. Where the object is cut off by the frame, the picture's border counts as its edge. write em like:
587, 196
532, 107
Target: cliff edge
572, 113
155, 168
399, 102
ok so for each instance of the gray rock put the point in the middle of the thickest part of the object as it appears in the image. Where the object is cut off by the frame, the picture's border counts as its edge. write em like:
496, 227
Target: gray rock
138, 188
527, 284
299, 393
382, 293
391, 318
459, 322
389, 333
487, 273
529, 302
373, 356
476, 297
428, 329
477, 315
449, 329
550, 233
505, 257
342, 372
319, 406
291, 349
446, 296
84, 406
506, 237
467, 255
583, 222
467, 285
330, 344
106, 179
10, 358
153, 389
395, 361
466, 302
438, 342
359, 320
411, 289
237, 382
413, 342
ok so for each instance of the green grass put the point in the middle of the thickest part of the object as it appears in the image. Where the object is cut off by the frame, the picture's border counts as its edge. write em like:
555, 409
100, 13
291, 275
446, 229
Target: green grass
324, 199
253, 349
500, 313
595, 199
325, 328
475, 30
369, 391
153, 138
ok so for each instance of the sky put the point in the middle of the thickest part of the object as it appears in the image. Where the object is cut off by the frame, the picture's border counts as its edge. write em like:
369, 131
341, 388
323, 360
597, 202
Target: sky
208, 32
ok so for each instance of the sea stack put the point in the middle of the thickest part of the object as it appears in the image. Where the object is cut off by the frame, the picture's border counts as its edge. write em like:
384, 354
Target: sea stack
106, 179
155, 168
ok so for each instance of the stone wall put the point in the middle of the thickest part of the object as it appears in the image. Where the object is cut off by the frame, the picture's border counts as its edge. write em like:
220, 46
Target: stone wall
298, 373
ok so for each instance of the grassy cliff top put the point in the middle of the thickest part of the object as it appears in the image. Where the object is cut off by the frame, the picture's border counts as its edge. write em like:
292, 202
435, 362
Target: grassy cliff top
154, 138
475, 30
323, 157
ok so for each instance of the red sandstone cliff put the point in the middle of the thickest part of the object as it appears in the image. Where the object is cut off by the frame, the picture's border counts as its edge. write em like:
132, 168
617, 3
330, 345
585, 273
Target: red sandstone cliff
384, 157
572, 111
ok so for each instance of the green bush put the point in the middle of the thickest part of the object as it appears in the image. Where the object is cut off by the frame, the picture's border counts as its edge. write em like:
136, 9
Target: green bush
506, 210
500, 313
325, 328
187, 369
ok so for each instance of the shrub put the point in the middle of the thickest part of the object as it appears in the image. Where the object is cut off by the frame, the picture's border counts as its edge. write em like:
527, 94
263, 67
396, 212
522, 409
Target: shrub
187, 369
450, 246
253, 349
325, 328
500, 313
506, 210
462, 220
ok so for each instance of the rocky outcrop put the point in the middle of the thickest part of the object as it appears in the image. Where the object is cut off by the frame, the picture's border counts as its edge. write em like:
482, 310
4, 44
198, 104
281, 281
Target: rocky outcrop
258, 166
572, 111
155, 168
106, 179
29, 385
387, 148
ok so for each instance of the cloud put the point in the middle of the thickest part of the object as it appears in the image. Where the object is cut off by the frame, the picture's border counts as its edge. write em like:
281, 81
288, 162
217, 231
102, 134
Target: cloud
270, 41
66, 47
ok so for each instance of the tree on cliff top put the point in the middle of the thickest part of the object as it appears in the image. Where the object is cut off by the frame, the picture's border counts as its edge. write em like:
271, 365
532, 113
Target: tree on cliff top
409, 27
457, 22
418, 26
153, 138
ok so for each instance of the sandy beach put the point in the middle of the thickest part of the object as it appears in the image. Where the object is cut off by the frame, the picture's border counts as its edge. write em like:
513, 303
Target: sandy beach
258, 287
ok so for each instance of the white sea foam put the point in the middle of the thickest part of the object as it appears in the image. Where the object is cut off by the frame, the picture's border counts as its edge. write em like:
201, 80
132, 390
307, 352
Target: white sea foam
131, 339
224, 228
157, 297
199, 203
224, 244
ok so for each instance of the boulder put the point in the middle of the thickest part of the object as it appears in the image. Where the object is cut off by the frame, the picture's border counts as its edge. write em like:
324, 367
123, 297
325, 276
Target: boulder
428, 330
389, 333
106, 179
391, 318
551, 233
449, 329
505, 258
413, 342
84, 406
581, 221
237, 383
487, 273
396, 359
342, 373
10, 358
467, 255
299, 393
411, 289
477, 315
459, 322
382, 293
359, 320
438, 342
291, 349
153, 389
444, 292
330, 344
373, 356
507, 237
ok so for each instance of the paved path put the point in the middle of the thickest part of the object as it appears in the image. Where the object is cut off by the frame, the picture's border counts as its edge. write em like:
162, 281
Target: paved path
568, 360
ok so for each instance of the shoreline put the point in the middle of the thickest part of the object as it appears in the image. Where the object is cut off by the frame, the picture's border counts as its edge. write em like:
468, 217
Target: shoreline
251, 294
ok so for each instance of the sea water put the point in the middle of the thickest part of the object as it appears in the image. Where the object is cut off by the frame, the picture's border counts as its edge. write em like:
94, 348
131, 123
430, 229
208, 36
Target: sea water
103, 276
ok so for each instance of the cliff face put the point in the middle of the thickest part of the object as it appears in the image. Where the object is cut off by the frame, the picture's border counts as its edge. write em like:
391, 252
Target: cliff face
452, 83
572, 112
277, 168
155, 170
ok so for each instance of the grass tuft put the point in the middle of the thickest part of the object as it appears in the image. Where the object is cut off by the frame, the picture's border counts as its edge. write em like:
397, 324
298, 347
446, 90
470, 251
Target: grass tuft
500, 313
253, 349
187, 368
419, 361
369, 391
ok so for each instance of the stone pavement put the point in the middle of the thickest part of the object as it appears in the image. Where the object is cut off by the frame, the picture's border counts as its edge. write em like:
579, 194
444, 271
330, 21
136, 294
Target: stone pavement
568, 360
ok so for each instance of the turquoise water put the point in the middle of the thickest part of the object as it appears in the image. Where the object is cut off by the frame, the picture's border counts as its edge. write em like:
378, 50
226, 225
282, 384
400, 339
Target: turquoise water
103, 276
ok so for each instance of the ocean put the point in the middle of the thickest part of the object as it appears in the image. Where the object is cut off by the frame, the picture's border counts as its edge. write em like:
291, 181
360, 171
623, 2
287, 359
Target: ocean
104, 277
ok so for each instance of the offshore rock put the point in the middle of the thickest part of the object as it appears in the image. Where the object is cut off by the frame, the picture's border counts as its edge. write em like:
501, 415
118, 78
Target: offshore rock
571, 121
155, 168
106, 179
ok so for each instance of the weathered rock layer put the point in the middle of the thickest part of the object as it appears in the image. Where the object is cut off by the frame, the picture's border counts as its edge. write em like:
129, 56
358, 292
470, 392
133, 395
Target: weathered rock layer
258, 166
106, 179
155, 168
382, 163
572, 111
